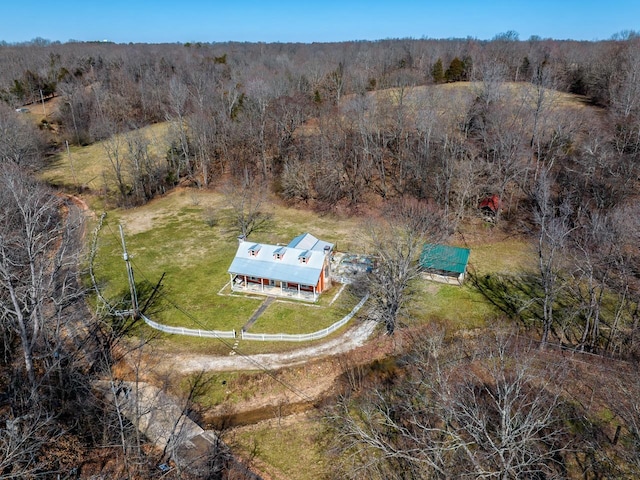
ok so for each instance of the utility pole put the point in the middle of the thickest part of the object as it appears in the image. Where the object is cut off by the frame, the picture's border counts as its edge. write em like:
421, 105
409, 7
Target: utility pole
132, 284
75, 125
44, 111
73, 172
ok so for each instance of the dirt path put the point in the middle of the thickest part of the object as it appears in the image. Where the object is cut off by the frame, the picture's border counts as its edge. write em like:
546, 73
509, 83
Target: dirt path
268, 301
351, 339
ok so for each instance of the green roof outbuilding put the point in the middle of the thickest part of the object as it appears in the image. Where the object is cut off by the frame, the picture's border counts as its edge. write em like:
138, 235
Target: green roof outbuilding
443, 258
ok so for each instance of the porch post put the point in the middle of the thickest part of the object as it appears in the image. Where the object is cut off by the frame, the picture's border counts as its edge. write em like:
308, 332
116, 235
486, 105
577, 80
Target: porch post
298, 290
281, 290
231, 281
245, 282
314, 293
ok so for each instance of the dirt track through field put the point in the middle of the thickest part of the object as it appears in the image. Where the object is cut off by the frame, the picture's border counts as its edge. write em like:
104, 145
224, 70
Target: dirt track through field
351, 339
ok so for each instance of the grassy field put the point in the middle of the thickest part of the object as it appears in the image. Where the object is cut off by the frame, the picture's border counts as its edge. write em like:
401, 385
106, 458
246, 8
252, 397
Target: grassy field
169, 235
194, 257
457, 91
87, 166
452, 306
504, 256
287, 448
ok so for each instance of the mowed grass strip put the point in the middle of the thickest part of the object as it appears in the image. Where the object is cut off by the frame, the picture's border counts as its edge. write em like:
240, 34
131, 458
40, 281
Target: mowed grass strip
506, 256
457, 307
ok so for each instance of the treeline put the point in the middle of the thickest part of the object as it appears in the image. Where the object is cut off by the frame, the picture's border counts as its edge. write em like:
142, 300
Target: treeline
238, 107
63, 413
58, 374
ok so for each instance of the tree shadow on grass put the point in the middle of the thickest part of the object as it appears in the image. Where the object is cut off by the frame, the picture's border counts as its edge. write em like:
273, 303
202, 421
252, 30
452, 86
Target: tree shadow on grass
517, 296
520, 298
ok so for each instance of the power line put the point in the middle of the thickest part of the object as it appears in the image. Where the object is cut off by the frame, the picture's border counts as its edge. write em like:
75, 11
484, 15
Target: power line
247, 357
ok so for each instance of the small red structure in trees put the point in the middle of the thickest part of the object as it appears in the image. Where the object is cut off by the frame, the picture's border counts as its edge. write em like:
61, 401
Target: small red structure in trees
490, 206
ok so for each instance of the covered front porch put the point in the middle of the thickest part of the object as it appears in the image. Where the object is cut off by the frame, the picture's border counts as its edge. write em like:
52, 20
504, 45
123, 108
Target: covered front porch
274, 288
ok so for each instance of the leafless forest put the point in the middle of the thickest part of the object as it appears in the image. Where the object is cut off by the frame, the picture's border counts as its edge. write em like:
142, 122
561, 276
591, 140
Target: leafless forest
420, 130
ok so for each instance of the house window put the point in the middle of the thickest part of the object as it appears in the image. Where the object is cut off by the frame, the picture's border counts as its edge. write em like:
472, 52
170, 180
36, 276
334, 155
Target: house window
304, 256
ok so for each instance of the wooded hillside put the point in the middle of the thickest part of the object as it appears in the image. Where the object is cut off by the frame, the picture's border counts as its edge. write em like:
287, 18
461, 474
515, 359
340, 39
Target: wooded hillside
419, 132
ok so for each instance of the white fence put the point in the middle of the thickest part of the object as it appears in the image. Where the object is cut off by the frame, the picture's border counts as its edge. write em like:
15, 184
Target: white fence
189, 331
286, 337
264, 337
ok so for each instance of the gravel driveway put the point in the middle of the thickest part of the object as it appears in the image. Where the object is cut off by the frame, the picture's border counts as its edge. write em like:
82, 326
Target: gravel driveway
352, 338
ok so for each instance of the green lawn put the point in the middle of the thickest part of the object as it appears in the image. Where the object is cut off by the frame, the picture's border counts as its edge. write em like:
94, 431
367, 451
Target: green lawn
170, 235
460, 307
506, 256
195, 259
457, 307
288, 317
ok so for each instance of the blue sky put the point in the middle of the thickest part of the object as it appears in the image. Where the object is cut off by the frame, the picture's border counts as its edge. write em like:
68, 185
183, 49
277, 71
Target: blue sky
161, 21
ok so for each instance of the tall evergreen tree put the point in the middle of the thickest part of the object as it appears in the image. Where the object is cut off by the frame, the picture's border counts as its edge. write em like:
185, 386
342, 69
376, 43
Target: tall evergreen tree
455, 72
437, 72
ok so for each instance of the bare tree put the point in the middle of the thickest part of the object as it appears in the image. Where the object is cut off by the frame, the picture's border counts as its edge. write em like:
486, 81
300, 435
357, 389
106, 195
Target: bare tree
508, 426
261, 95
596, 251
35, 261
397, 243
625, 404
504, 146
246, 200
180, 153
114, 147
553, 221
454, 412
46, 348
22, 442
20, 142
146, 172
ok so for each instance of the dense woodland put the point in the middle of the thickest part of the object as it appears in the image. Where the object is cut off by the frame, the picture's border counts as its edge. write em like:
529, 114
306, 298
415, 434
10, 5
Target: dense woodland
421, 130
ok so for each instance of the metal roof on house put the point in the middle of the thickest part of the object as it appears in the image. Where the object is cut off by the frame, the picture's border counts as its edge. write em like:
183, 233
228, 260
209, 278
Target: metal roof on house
288, 268
444, 258
306, 241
